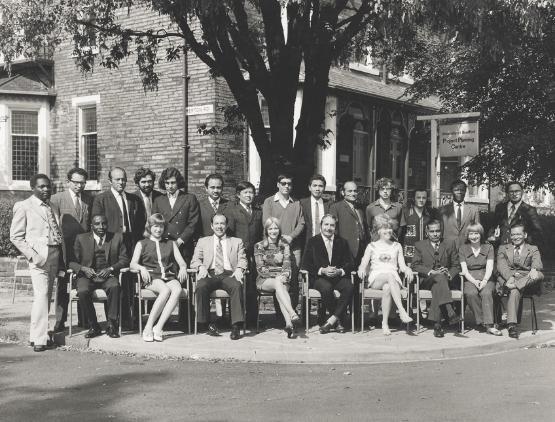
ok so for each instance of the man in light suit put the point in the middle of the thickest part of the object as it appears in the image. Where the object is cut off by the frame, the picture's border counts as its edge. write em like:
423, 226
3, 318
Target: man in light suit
437, 263
144, 179
73, 206
221, 263
458, 215
213, 203
314, 207
179, 209
36, 233
519, 266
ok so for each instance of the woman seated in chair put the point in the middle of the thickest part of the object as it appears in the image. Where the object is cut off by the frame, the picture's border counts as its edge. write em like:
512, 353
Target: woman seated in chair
385, 257
476, 258
156, 260
273, 264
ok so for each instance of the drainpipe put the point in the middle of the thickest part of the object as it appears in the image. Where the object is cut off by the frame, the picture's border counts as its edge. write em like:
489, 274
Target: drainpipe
185, 118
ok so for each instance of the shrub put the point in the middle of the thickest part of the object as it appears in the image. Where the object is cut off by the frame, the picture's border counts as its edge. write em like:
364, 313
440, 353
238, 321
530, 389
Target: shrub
6, 213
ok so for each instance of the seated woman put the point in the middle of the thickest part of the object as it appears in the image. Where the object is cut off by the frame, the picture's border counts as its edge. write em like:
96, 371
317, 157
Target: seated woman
273, 264
156, 260
385, 257
476, 258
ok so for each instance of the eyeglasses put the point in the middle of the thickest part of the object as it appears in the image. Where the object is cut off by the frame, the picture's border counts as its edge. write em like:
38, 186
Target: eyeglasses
285, 183
75, 182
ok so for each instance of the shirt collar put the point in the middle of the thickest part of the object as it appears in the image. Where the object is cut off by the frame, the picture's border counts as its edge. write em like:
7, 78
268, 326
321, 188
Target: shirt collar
116, 193
39, 201
330, 239
73, 195
224, 237
144, 195
470, 251
174, 195
510, 204
316, 201
278, 197
456, 204
212, 202
247, 208
97, 238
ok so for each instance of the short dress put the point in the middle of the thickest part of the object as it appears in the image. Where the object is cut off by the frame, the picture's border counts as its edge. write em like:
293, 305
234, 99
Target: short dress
272, 261
476, 264
384, 260
157, 257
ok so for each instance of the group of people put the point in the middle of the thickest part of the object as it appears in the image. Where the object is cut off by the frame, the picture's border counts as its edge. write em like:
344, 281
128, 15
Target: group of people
239, 247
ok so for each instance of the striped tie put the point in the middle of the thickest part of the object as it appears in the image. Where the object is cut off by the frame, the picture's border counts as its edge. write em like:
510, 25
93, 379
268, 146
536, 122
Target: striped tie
219, 260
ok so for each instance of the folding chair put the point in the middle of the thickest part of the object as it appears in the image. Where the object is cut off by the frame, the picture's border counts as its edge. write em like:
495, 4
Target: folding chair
309, 294
527, 293
376, 294
98, 296
456, 295
144, 295
217, 294
259, 295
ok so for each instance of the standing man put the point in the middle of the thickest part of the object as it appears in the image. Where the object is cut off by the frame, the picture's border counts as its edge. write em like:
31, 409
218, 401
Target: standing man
213, 203
437, 263
144, 179
514, 211
179, 209
314, 207
384, 205
221, 264
329, 263
73, 206
458, 215
36, 233
98, 258
290, 215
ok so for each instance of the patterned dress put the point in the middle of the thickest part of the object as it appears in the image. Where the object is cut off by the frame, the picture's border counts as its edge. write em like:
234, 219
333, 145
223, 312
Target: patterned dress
272, 261
382, 260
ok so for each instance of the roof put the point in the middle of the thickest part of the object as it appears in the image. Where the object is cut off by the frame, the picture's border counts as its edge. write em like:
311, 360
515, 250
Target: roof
27, 81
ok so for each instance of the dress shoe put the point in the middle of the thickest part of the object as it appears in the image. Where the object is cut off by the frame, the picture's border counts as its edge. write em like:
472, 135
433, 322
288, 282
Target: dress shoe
49, 344
157, 335
513, 331
326, 328
40, 348
212, 330
93, 332
235, 332
493, 331
438, 331
295, 320
454, 320
148, 336
340, 328
59, 328
113, 329
289, 330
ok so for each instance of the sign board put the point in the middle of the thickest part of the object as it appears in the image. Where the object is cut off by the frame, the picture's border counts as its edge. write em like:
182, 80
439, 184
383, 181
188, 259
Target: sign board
200, 109
458, 139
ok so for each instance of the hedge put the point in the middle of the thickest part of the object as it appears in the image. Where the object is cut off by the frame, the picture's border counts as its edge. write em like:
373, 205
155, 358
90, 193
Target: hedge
6, 213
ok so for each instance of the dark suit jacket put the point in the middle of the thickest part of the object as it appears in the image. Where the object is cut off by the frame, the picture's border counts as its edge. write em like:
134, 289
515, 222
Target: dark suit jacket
471, 215
141, 213
182, 219
425, 260
71, 223
347, 226
529, 258
105, 203
83, 252
315, 256
306, 206
525, 214
206, 212
245, 226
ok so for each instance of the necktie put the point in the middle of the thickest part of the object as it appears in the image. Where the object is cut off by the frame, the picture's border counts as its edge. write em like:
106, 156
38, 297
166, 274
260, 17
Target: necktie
215, 206
459, 215
219, 260
517, 254
55, 235
100, 242
78, 209
148, 206
512, 213
126, 225
329, 248
316, 224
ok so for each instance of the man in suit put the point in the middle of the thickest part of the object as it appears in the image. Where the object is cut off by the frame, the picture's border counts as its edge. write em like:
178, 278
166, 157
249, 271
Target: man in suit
97, 258
73, 206
314, 207
458, 215
213, 203
519, 266
36, 233
144, 179
221, 263
245, 222
329, 263
179, 209
437, 263
514, 211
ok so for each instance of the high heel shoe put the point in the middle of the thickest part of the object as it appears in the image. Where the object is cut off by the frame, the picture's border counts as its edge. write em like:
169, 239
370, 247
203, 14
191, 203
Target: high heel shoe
385, 330
295, 320
289, 330
406, 318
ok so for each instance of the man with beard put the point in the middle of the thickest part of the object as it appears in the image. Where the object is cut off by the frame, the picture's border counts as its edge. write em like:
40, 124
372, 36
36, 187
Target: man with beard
144, 179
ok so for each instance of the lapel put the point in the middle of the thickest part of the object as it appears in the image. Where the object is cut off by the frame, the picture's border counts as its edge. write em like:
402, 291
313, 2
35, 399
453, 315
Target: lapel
511, 253
323, 251
351, 211
229, 248
524, 252
335, 251
108, 247
90, 247
430, 249
36, 208
178, 204
69, 204
465, 217
245, 214
209, 253
113, 203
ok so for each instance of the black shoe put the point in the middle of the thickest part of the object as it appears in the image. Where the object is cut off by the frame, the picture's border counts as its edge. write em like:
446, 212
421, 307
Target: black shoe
235, 332
326, 328
49, 344
289, 330
513, 331
212, 330
453, 320
438, 331
482, 328
40, 348
93, 332
340, 328
59, 328
112, 331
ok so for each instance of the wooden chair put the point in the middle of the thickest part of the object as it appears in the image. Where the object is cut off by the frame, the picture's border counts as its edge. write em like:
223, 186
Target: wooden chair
527, 294
259, 295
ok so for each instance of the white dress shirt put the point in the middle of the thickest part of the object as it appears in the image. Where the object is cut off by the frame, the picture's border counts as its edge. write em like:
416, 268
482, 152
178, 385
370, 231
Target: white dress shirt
173, 198
147, 200
456, 205
313, 204
282, 201
510, 206
119, 197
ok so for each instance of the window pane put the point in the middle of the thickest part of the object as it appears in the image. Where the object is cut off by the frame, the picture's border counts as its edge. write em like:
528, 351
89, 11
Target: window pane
25, 153
91, 156
25, 122
89, 120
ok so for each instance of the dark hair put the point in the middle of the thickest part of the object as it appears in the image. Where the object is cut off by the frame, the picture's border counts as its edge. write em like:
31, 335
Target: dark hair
512, 182
242, 185
457, 183
433, 222
213, 176
79, 171
143, 172
218, 214
35, 177
342, 189
284, 176
420, 189
518, 224
171, 172
333, 217
116, 168
383, 182
317, 177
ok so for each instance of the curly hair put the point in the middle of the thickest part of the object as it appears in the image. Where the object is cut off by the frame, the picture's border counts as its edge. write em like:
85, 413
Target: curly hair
383, 221
171, 172
143, 172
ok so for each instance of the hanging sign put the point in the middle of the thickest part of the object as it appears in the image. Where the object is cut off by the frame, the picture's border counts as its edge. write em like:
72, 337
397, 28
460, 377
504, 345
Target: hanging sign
458, 139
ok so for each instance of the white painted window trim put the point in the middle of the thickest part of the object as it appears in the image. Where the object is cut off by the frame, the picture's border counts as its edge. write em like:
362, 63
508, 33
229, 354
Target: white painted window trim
80, 103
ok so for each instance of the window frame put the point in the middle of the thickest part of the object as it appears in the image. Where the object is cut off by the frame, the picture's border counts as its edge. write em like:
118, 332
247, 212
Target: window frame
11, 140
81, 103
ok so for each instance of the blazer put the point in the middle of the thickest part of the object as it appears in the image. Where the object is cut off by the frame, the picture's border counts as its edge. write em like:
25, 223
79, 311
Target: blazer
306, 206
141, 213
182, 219
72, 223
525, 214
471, 215
83, 252
316, 256
206, 212
348, 226
424, 257
530, 257
105, 203
29, 230
245, 226
204, 253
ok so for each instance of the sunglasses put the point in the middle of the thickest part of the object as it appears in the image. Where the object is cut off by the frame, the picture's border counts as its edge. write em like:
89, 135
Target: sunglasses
285, 183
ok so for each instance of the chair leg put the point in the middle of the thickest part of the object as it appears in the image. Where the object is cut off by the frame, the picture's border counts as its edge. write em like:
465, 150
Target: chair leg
258, 313
188, 315
353, 314
120, 304
196, 314
462, 314
362, 312
70, 310
140, 316
307, 311
417, 312
533, 315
